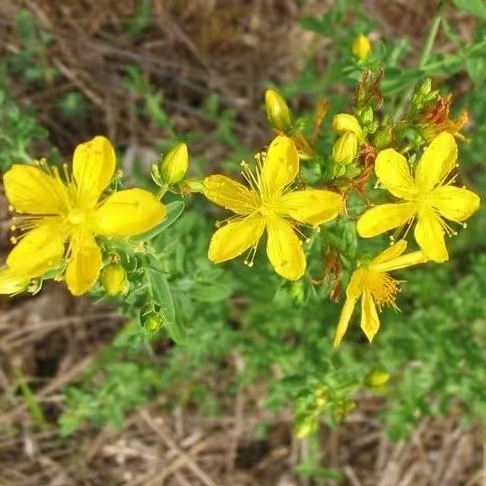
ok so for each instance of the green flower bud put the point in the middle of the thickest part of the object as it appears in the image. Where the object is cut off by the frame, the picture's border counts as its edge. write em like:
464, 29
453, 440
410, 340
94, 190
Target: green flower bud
278, 113
114, 279
175, 164
367, 116
343, 122
425, 88
383, 137
152, 321
345, 149
361, 47
377, 379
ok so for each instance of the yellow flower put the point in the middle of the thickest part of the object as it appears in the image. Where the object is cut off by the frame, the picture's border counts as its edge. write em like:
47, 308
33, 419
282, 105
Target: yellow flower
375, 287
270, 205
361, 47
54, 211
428, 196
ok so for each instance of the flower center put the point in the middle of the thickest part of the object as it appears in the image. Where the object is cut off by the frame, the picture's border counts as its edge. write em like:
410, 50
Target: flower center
266, 210
383, 287
77, 216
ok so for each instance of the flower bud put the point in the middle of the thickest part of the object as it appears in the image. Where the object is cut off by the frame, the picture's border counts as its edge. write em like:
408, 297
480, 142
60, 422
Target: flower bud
361, 47
114, 279
377, 378
175, 164
383, 137
152, 321
278, 113
345, 149
343, 122
424, 88
367, 116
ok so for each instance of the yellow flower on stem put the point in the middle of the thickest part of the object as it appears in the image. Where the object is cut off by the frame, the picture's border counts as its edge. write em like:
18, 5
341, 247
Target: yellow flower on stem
376, 288
427, 196
269, 205
53, 211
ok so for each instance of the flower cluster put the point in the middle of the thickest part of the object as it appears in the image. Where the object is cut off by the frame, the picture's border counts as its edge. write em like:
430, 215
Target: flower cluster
64, 224
428, 200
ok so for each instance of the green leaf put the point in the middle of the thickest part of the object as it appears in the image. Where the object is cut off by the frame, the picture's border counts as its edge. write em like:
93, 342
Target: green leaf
476, 68
313, 24
211, 291
174, 210
163, 297
475, 7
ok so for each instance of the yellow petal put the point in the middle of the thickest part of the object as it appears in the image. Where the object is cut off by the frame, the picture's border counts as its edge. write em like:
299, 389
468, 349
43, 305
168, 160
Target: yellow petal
311, 206
85, 264
230, 194
284, 249
455, 203
385, 217
234, 238
390, 253
429, 235
280, 167
403, 261
370, 323
393, 172
93, 167
344, 319
129, 212
38, 251
355, 286
30, 190
11, 283
436, 162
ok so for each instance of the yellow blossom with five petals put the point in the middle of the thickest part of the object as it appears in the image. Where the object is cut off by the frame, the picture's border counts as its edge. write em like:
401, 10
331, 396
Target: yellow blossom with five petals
269, 205
428, 196
53, 211
376, 288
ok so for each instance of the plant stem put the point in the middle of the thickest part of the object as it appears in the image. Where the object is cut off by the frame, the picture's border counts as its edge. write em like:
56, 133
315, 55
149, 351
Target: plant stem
429, 44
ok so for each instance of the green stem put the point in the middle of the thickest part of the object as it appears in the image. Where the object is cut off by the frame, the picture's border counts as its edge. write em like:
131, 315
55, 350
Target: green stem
429, 44
162, 191
146, 277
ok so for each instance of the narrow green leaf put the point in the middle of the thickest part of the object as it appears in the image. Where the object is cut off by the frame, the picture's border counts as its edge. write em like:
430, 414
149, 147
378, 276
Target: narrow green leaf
475, 7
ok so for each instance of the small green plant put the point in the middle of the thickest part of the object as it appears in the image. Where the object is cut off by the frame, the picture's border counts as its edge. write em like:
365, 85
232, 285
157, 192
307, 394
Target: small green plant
19, 129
